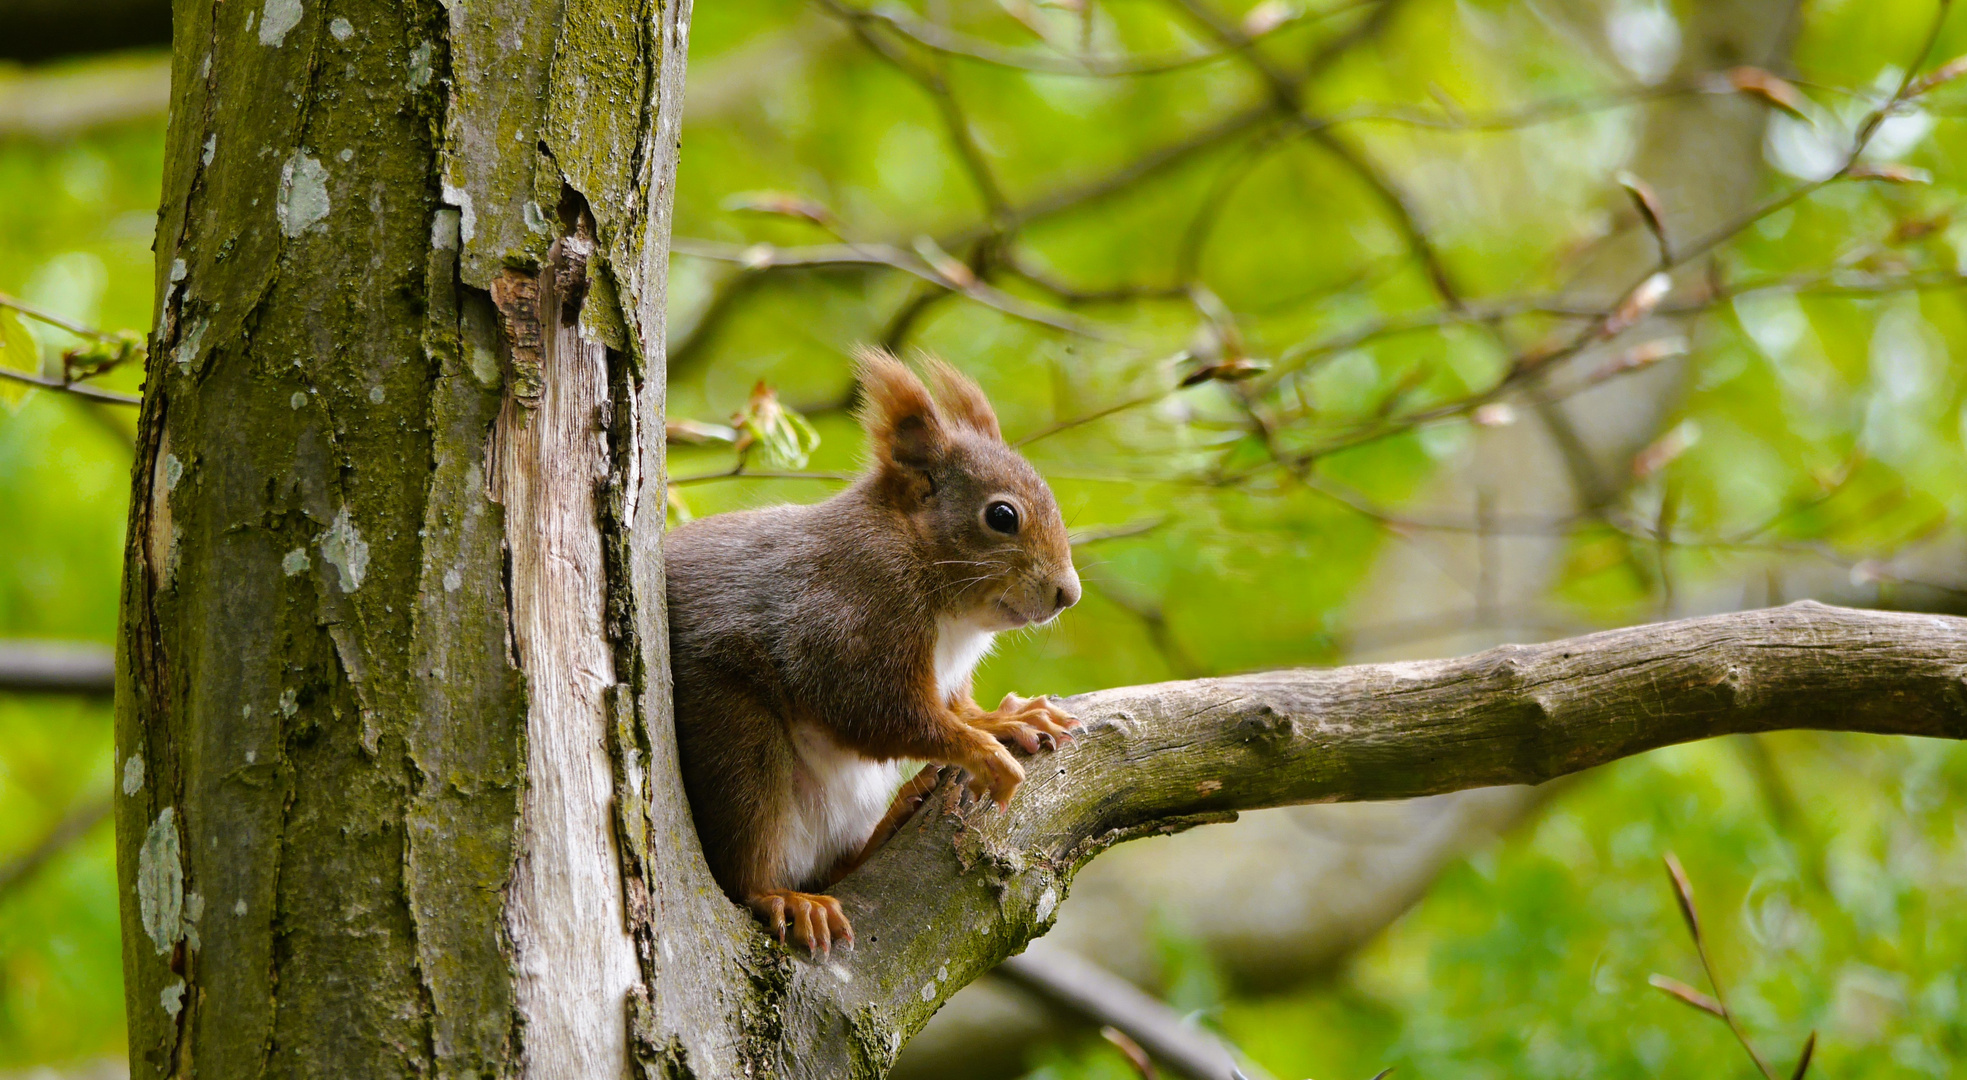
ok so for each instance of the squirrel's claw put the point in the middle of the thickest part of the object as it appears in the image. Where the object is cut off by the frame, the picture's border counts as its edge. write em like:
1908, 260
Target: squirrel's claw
811, 932
1030, 724
772, 910
816, 921
975, 790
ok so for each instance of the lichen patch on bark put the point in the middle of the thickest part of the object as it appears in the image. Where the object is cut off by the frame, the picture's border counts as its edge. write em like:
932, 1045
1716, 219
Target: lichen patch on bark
276, 19
343, 548
303, 199
160, 883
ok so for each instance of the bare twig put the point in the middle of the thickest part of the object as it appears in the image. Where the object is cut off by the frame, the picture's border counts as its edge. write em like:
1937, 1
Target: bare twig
757, 258
1100, 413
1154, 621
1683, 894
43, 315
83, 390
1717, 1005
740, 472
1084, 537
938, 38
955, 124
72, 827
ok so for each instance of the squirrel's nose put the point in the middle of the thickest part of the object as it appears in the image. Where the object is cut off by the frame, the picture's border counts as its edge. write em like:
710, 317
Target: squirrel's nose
1069, 591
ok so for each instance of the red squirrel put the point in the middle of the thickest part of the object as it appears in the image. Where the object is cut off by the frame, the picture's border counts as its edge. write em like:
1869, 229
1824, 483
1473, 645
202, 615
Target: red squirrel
816, 648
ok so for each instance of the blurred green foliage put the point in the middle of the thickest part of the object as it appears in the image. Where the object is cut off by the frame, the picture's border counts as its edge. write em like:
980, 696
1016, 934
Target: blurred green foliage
1811, 428
1839, 916
75, 228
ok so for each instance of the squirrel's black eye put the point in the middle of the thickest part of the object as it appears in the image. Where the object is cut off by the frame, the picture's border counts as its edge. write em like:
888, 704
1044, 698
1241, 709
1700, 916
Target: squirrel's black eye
1003, 517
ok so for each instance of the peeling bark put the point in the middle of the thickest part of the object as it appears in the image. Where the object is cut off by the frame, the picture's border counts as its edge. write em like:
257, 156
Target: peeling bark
576, 965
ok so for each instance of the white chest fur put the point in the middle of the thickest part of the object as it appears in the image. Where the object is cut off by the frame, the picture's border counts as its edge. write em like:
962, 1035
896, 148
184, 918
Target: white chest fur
838, 797
960, 645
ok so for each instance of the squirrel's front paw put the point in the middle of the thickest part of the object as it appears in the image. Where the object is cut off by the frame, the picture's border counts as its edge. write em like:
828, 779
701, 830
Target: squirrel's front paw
1028, 723
815, 921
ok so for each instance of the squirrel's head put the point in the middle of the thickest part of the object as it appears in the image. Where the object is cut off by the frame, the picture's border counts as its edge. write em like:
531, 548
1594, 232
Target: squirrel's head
987, 524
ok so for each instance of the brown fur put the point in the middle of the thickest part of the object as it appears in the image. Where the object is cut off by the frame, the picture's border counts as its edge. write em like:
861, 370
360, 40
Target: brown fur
826, 615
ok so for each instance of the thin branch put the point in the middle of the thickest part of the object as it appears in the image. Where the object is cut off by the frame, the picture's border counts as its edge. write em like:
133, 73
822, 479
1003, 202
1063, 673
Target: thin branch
693, 344
910, 312
1372, 26
1834, 282
1718, 1004
1154, 622
63, 835
758, 258
739, 472
1021, 264
1286, 91
955, 124
1083, 537
1527, 367
1139, 168
1867, 128
79, 389
941, 39
75, 388
60, 322
1195, 237
1100, 413
1068, 980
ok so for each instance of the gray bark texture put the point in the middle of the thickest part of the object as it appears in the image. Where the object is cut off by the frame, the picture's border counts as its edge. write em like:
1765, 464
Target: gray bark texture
397, 785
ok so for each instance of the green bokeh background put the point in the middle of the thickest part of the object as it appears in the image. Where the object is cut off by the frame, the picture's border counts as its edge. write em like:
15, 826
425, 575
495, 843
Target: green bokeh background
1832, 870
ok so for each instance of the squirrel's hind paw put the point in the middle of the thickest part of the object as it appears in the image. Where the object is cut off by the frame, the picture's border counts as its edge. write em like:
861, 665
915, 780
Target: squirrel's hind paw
815, 921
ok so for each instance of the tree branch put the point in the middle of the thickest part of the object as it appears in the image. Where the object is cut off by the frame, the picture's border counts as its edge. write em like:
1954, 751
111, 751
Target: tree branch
32, 30
1070, 981
1285, 898
51, 668
59, 838
958, 890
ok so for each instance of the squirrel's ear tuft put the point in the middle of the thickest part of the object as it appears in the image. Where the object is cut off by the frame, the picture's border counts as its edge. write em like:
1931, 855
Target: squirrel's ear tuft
900, 419
962, 400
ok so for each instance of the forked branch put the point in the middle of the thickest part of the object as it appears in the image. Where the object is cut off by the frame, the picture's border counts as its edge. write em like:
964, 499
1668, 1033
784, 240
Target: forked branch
958, 890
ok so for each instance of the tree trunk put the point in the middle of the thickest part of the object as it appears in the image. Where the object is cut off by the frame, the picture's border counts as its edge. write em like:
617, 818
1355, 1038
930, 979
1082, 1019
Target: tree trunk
390, 637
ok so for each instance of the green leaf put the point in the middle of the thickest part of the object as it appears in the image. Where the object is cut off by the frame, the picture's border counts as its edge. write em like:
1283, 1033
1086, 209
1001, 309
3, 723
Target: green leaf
18, 352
